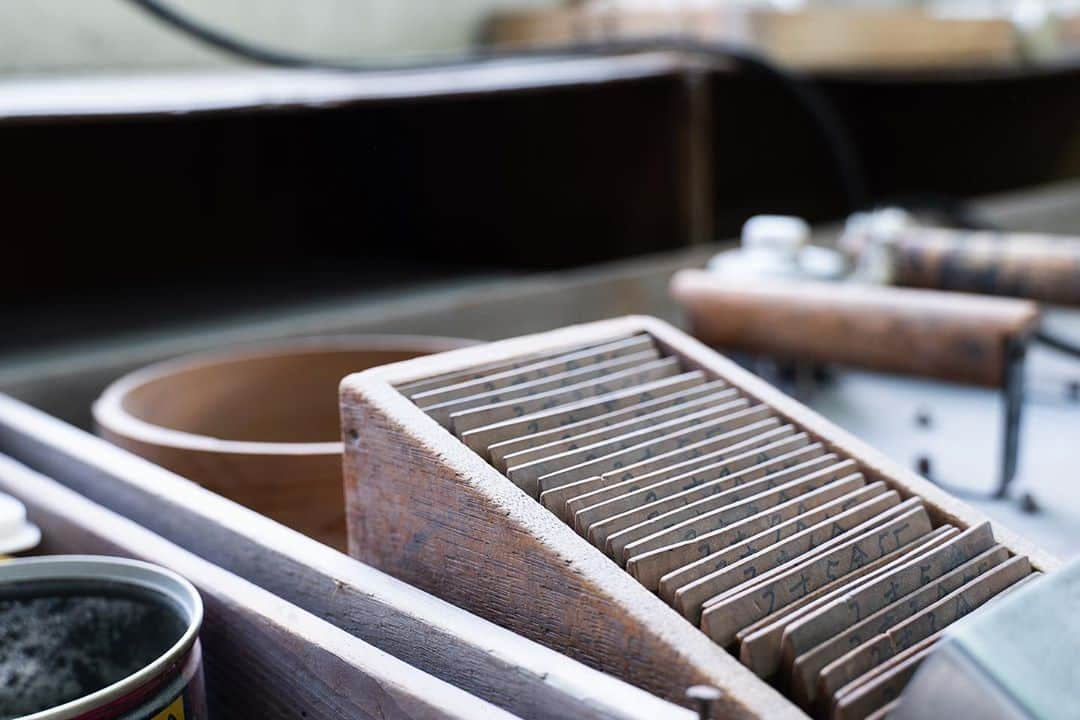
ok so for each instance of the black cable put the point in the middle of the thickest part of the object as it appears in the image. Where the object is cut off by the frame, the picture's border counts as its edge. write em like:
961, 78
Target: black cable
834, 133
1057, 343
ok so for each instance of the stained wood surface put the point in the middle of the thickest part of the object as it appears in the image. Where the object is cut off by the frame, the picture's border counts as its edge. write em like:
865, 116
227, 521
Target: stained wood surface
449, 643
257, 424
123, 95
814, 38
1028, 265
450, 522
947, 335
263, 657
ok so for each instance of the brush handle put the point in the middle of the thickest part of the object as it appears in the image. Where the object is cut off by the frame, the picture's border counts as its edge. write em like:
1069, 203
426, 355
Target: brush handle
953, 336
1039, 267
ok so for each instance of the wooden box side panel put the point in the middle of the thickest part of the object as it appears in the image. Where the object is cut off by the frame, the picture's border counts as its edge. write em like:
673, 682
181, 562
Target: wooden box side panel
469, 536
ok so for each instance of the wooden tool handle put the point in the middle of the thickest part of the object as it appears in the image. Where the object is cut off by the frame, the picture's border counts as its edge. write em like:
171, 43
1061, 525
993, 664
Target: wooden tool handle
1039, 267
922, 332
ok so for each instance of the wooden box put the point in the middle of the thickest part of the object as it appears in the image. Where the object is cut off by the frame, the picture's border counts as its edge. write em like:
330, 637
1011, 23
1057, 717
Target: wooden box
425, 507
327, 635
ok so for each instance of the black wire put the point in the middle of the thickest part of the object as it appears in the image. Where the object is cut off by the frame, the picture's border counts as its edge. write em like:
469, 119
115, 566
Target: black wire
834, 133
1057, 343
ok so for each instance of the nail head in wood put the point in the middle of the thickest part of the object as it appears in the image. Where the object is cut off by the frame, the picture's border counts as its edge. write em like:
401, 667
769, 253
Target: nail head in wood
706, 697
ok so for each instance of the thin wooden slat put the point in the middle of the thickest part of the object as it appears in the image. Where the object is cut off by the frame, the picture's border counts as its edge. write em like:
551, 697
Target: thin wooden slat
601, 423
871, 597
920, 626
567, 499
690, 598
724, 618
650, 566
759, 642
471, 419
552, 418
726, 416
808, 665
543, 369
621, 533
621, 510
699, 570
612, 431
715, 515
488, 368
720, 432
579, 377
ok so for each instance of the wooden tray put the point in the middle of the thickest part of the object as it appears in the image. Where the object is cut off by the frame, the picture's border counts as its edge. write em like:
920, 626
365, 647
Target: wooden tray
428, 509
434, 636
263, 656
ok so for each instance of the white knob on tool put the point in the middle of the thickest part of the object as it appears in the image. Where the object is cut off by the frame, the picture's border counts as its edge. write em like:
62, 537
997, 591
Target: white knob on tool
16, 533
783, 235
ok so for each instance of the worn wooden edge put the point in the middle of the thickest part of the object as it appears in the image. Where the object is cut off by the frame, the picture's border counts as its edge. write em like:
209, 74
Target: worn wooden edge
745, 694
111, 414
74, 97
510, 671
263, 656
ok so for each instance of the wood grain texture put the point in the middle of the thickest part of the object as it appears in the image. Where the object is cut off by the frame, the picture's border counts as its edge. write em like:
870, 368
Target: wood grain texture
946, 335
812, 38
263, 657
426, 508
521, 676
257, 424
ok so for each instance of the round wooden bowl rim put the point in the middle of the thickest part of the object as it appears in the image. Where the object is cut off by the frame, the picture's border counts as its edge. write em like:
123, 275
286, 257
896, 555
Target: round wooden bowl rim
110, 414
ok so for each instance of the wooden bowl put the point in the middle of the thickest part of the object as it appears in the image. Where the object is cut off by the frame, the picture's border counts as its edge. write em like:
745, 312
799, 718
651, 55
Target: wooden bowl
257, 424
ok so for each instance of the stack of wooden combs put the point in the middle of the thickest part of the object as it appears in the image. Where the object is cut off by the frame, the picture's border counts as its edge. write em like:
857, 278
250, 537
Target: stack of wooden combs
769, 538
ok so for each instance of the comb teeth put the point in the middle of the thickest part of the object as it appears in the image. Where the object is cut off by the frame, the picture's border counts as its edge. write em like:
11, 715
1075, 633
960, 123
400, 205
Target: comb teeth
747, 524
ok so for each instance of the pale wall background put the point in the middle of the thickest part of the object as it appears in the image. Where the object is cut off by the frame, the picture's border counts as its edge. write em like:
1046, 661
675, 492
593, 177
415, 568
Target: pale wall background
64, 36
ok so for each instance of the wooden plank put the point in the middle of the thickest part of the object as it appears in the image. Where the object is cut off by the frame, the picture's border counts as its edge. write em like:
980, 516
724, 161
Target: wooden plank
920, 626
449, 643
548, 367
948, 335
263, 656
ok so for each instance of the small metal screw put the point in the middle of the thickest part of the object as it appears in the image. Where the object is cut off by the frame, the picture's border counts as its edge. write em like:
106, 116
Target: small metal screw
923, 418
1072, 390
922, 464
706, 697
1028, 503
